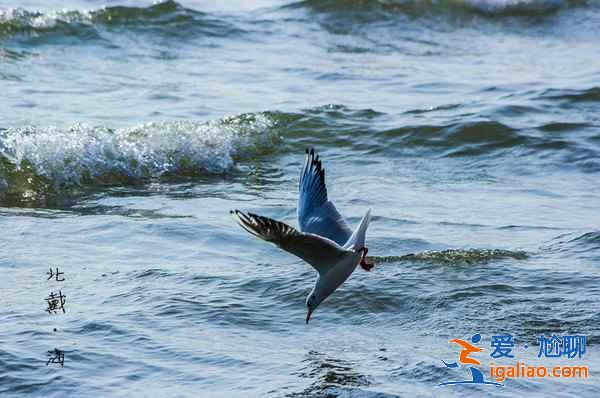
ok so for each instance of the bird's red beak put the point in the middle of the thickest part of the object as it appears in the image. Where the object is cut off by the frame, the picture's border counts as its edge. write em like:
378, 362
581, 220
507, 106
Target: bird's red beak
308, 315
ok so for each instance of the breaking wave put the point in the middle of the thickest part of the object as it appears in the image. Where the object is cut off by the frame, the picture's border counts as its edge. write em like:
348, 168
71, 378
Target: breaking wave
168, 17
35, 160
455, 256
173, 19
411, 7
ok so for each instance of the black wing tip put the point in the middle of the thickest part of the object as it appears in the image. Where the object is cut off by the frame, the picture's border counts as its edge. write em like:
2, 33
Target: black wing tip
314, 158
319, 166
311, 154
240, 215
248, 215
313, 162
258, 225
236, 212
314, 155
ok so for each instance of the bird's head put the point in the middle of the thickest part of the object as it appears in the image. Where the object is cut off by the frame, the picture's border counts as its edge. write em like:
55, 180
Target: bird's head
312, 302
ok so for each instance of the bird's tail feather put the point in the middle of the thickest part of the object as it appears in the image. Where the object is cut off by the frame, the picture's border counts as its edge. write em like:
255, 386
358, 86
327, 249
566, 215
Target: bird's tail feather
357, 239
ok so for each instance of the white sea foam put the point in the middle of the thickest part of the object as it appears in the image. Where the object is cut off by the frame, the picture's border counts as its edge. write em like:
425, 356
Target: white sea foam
492, 6
503, 5
82, 152
44, 20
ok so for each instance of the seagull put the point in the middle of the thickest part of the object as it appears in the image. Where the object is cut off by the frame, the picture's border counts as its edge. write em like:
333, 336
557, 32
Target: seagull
324, 241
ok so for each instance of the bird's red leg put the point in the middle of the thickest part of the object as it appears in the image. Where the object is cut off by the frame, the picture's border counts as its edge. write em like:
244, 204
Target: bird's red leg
363, 261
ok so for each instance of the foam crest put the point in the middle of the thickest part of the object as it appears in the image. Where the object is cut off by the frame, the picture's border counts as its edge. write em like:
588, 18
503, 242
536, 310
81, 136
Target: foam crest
485, 7
18, 19
87, 154
494, 6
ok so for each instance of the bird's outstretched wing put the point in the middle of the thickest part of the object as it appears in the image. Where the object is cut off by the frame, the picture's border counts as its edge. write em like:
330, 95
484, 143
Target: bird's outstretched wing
318, 251
316, 214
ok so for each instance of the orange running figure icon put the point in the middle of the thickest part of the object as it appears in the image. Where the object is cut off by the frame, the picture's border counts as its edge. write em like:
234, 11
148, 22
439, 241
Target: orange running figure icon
467, 350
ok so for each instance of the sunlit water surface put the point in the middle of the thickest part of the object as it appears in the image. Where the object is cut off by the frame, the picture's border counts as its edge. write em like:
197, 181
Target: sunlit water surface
129, 130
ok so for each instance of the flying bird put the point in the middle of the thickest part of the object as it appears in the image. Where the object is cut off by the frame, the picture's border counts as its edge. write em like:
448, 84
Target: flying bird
324, 241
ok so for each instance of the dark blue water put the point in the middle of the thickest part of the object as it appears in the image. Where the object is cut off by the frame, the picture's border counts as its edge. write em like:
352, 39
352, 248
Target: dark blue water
128, 130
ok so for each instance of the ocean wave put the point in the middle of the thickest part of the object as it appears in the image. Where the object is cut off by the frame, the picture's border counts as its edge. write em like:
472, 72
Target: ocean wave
420, 7
35, 160
572, 95
586, 245
39, 160
455, 256
331, 377
168, 17
467, 138
472, 137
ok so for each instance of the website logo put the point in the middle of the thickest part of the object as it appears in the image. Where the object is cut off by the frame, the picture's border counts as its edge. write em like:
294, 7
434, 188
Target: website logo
503, 346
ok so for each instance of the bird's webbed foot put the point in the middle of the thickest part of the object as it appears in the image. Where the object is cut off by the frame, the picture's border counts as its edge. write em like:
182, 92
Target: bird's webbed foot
363, 260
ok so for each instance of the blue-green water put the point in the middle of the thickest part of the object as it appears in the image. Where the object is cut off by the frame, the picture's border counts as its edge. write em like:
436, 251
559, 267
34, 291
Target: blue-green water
129, 130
